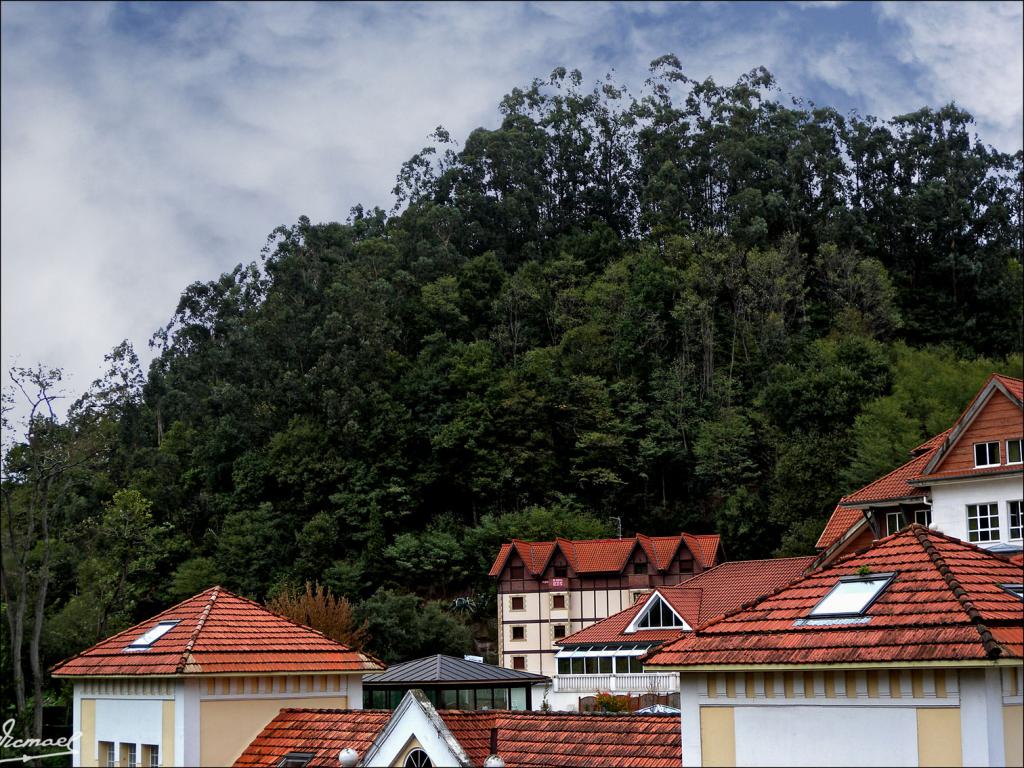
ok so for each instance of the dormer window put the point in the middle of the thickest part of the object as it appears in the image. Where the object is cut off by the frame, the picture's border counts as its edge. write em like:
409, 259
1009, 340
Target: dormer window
639, 568
986, 454
657, 614
561, 571
852, 596
1013, 451
142, 642
515, 572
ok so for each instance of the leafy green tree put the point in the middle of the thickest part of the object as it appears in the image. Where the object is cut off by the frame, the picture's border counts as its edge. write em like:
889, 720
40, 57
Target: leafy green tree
403, 626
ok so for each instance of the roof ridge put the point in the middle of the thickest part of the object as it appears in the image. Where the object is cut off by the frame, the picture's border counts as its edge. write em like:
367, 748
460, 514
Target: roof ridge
187, 651
992, 649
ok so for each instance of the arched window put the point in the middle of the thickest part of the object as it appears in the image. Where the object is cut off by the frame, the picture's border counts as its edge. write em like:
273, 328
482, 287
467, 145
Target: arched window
418, 759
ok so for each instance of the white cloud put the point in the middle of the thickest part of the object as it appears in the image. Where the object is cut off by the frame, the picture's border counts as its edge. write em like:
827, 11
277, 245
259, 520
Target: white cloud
147, 146
971, 53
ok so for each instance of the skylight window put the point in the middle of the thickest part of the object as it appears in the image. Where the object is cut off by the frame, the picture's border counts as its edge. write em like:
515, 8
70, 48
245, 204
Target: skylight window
853, 595
151, 636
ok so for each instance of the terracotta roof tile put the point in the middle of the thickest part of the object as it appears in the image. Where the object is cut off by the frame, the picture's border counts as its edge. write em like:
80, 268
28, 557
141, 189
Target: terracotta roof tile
559, 740
705, 596
608, 555
842, 519
1015, 386
944, 604
218, 632
569, 740
894, 485
323, 732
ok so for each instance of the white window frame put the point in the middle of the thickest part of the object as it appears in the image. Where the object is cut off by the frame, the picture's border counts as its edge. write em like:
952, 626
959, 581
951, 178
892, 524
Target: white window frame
988, 454
885, 578
1020, 451
1010, 515
648, 607
151, 635
898, 514
975, 536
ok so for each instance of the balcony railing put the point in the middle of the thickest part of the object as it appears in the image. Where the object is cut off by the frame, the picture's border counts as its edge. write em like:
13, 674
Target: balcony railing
635, 682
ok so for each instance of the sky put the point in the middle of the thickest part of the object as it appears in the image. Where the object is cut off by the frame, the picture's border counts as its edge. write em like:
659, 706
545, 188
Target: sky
147, 146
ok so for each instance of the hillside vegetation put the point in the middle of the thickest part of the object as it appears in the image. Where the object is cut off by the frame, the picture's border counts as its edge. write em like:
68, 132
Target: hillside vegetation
699, 307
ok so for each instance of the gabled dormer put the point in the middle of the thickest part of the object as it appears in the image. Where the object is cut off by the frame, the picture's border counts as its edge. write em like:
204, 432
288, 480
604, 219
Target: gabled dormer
657, 613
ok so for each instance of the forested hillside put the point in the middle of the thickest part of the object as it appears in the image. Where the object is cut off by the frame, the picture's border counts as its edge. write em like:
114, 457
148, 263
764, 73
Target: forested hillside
697, 308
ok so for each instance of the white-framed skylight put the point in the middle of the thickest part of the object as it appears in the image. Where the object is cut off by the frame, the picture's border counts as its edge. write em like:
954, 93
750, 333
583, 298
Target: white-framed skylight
657, 614
144, 641
852, 595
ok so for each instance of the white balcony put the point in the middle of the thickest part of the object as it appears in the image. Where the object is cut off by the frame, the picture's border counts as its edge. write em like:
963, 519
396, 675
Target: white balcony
634, 682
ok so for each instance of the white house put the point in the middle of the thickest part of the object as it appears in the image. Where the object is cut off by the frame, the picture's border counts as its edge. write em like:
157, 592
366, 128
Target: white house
966, 481
196, 683
908, 654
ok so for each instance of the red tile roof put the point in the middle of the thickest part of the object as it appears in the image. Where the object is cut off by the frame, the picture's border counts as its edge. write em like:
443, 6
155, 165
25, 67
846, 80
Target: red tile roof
218, 632
570, 740
945, 603
609, 555
324, 732
560, 740
1015, 386
892, 486
842, 519
709, 594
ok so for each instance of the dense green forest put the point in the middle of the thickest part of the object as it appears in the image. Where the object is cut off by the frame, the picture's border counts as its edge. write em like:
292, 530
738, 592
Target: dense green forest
697, 307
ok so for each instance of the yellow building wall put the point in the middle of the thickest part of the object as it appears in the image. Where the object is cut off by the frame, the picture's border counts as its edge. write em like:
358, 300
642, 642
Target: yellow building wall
1013, 734
167, 733
88, 742
226, 727
938, 737
718, 736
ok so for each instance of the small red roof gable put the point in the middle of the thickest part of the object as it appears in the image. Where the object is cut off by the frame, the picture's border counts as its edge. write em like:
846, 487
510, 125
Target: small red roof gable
218, 632
608, 555
945, 603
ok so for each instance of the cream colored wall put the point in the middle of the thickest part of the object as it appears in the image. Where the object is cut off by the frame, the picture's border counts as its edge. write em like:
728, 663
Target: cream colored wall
167, 734
88, 742
538, 606
228, 726
718, 736
938, 737
1013, 734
